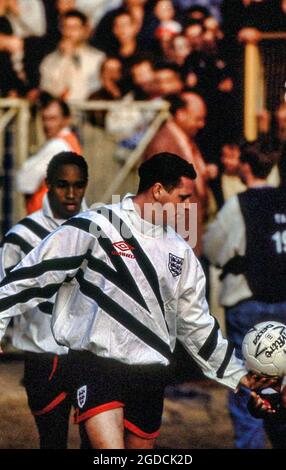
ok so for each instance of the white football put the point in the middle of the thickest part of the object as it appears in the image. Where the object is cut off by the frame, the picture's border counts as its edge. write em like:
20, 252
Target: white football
264, 348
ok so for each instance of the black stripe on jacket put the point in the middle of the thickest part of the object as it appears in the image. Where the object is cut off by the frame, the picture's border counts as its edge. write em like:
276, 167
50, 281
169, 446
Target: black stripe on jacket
16, 239
123, 317
35, 227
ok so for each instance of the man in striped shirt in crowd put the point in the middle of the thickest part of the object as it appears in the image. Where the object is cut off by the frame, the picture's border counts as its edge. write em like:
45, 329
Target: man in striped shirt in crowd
128, 286
45, 360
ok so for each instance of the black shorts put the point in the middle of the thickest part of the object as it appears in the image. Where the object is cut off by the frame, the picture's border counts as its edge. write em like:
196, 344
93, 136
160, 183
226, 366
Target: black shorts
45, 381
104, 384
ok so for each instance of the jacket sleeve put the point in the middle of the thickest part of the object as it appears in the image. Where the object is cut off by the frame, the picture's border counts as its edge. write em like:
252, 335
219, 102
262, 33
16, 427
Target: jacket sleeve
199, 331
41, 273
10, 255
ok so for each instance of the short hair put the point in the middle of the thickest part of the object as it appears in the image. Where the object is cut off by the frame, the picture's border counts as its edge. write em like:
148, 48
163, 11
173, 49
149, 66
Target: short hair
46, 99
141, 58
120, 12
165, 168
66, 158
176, 102
73, 13
260, 157
162, 65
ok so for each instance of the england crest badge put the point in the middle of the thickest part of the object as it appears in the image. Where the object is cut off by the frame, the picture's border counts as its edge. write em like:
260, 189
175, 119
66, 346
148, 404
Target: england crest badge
175, 265
81, 395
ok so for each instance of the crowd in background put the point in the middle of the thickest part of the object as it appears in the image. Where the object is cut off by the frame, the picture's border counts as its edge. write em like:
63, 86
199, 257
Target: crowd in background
186, 52
136, 50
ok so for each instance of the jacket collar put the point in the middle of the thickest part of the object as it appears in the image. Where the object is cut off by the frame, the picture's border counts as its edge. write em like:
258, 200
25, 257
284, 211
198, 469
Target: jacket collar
140, 225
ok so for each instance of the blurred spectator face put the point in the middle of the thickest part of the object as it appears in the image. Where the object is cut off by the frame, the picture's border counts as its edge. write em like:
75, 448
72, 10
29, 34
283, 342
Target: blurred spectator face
194, 33
181, 49
74, 30
143, 75
230, 155
164, 10
212, 32
281, 121
165, 36
168, 82
64, 5
211, 24
111, 70
191, 80
53, 120
124, 28
192, 118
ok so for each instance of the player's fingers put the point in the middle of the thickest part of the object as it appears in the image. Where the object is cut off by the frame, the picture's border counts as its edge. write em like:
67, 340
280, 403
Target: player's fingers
263, 381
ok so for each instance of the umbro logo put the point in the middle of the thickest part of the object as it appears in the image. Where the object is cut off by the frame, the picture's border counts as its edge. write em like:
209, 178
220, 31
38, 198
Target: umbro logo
122, 249
175, 265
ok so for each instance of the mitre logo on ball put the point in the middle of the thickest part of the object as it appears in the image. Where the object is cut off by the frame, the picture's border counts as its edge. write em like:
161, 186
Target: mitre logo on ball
264, 348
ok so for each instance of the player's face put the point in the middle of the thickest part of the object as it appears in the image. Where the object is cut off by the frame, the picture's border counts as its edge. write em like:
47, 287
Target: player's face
178, 199
66, 191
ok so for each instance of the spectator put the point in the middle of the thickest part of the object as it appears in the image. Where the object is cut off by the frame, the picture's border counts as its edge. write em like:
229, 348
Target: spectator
111, 75
167, 79
230, 180
194, 32
112, 88
181, 49
212, 36
71, 72
143, 78
165, 13
125, 31
178, 136
55, 115
144, 21
273, 129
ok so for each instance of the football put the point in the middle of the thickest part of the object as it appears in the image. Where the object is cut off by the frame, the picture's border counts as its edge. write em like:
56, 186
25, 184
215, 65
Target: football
264, 348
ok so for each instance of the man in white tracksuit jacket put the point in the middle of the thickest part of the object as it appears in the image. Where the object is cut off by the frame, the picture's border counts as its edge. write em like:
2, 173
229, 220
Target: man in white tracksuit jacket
46, 361
127, 287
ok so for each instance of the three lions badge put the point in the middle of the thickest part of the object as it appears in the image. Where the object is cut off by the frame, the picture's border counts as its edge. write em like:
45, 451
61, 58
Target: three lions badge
175, 265
81, 396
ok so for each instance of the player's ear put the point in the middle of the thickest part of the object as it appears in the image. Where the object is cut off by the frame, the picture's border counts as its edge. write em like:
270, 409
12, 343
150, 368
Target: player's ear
48, 184
157, 191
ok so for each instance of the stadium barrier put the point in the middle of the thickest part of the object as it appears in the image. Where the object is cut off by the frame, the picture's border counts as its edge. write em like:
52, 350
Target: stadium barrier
113, 152
264, 79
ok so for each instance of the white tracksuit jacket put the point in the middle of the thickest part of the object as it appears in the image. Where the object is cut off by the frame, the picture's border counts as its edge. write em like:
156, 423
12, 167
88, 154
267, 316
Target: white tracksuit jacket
31, 331
126, 290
